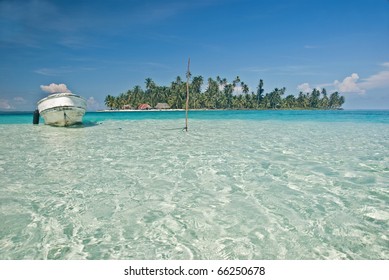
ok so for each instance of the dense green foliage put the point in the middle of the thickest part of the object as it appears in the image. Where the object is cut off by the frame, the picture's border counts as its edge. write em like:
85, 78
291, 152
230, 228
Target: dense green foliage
220, 94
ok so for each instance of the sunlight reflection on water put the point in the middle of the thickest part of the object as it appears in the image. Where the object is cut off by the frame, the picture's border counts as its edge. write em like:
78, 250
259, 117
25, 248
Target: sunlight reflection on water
233, 189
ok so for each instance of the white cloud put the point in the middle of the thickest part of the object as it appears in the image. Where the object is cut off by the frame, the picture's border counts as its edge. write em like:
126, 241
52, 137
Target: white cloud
379, 80
238, 90
385, 64
53, 71
353, 83
93, 104
19, 100
4, 104
349, 85
304, 87
53, 88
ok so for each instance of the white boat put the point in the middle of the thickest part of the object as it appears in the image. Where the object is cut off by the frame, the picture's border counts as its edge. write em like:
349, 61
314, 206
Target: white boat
62, 109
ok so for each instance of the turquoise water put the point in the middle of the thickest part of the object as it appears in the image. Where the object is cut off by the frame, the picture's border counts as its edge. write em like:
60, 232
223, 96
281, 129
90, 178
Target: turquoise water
239, 185
295, 115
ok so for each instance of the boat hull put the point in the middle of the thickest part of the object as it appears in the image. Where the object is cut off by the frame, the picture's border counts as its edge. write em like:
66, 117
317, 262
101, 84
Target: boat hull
62, 109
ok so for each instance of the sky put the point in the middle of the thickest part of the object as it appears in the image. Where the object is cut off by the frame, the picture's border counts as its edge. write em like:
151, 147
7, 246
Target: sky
96, 48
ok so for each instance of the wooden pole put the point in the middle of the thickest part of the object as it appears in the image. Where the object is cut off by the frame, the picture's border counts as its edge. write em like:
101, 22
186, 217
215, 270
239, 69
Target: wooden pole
187, 97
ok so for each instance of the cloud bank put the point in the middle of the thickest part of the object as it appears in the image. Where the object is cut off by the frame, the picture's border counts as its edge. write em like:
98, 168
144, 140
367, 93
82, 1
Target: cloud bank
304, 87
379, 80
4, 104
54, 88
11, 104
93, 104
349, 85
353, 83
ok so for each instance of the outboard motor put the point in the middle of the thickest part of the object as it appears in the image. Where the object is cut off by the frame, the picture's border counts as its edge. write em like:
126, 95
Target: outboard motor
35, 119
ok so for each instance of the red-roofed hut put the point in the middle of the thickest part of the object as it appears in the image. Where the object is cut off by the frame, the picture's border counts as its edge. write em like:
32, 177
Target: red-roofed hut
144, 106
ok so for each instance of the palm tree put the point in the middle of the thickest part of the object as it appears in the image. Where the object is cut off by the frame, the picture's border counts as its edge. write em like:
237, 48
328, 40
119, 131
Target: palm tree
334, 100
212, 93
149, 83
197, 82
245, 88
109, 101
219, 80
289, 101
260, 91
314, 98
324, 101
341, 101
228, 90
275, 98
150, 91
238, 102
266, 101
177, 94
137, 96
247, 101
236, 81
302, 100
196, 90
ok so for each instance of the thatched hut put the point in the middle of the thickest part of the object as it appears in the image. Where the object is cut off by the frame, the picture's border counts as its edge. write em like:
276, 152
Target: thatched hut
161, 106
127, 107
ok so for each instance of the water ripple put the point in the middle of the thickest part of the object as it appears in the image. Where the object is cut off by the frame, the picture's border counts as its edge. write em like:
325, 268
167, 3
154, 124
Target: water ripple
226, 190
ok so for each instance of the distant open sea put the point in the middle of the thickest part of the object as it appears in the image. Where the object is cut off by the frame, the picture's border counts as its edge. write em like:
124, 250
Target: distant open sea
239, 185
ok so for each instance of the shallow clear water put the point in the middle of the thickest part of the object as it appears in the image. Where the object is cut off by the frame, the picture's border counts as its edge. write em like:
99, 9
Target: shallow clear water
281, 186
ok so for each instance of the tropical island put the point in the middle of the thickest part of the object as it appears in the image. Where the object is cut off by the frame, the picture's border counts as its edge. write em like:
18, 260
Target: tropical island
221, 94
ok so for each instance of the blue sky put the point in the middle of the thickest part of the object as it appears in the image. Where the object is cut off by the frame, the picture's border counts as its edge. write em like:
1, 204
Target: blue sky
107, 47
